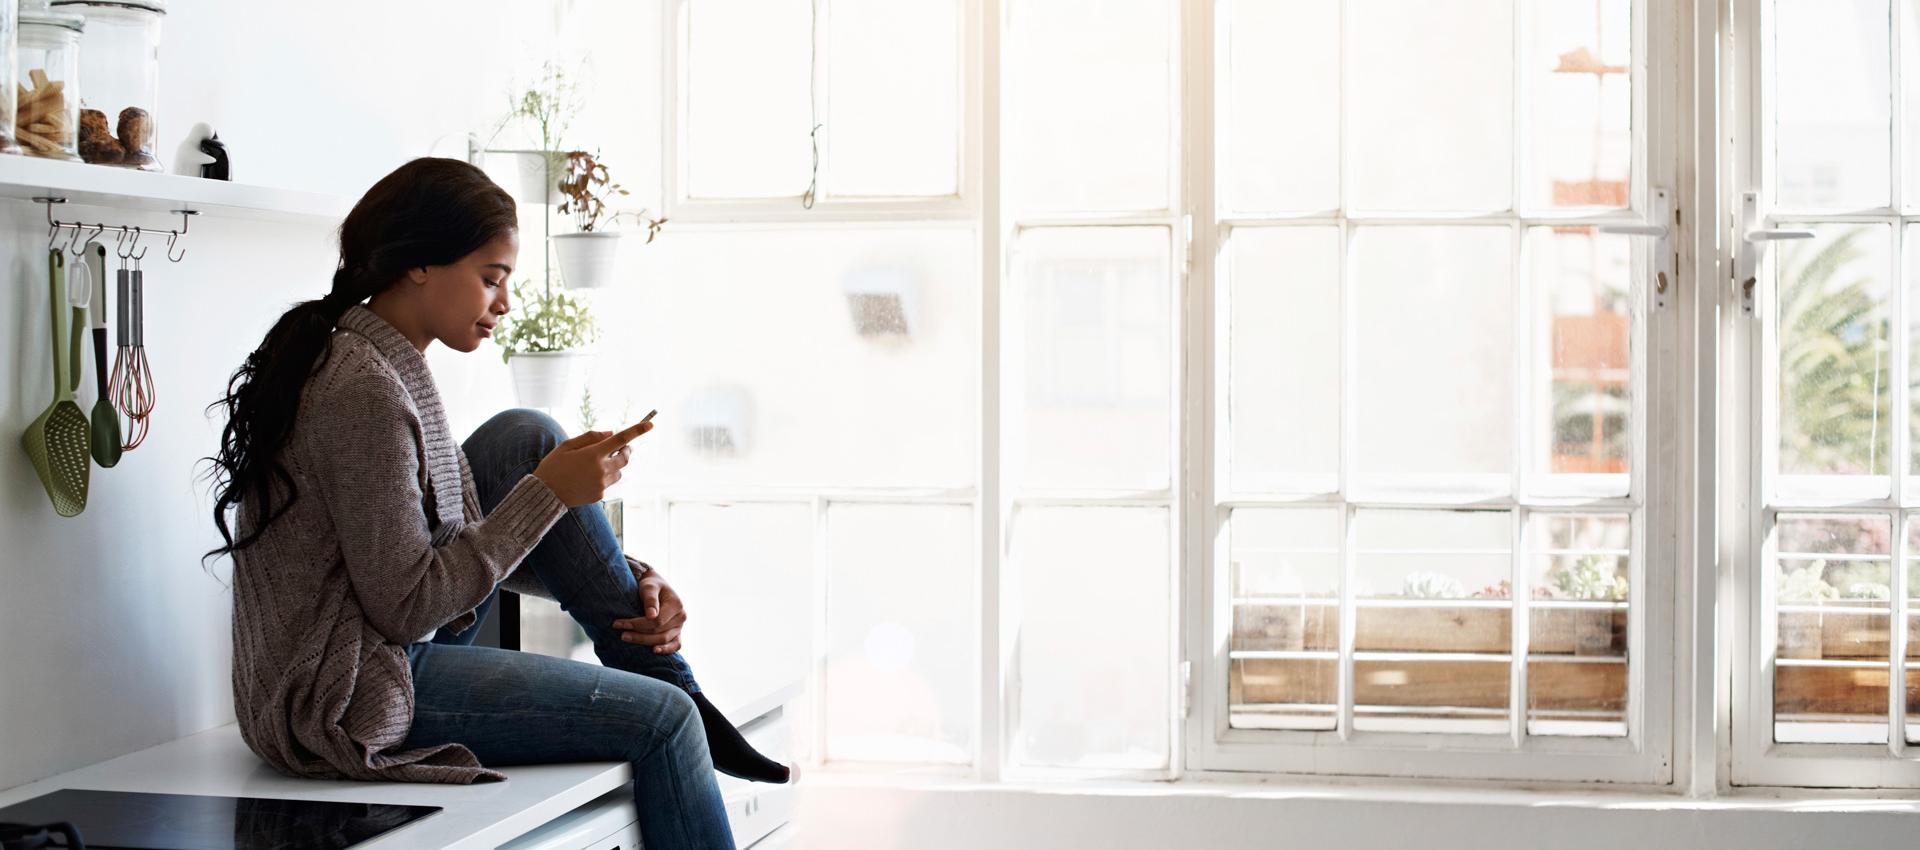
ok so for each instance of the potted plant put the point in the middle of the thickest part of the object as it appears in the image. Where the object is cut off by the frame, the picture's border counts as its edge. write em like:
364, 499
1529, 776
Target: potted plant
590, 257
1587, 578
547, 104
544, 343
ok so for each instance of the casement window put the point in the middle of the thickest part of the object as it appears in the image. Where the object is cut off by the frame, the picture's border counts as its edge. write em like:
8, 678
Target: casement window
1826, 192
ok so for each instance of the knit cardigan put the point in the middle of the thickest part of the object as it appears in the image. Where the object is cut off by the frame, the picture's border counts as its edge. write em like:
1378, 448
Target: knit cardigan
385, 544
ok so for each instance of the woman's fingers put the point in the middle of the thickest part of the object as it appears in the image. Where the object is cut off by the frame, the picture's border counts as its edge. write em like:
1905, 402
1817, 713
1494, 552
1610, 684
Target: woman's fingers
670, 636
651, 626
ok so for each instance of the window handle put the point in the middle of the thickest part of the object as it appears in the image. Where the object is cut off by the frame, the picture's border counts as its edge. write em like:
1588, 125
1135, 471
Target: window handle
1777, 234
1755, 240
1659, 229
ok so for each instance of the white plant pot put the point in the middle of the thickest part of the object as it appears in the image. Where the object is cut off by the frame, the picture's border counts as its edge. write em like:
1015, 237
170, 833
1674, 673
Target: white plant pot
548, 380
588, 260
525, 175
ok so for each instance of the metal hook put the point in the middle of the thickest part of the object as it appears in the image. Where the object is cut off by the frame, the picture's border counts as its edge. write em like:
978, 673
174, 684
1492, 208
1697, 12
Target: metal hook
173, 235
88, 243
118, 241
137, 233
71, 240
53, 234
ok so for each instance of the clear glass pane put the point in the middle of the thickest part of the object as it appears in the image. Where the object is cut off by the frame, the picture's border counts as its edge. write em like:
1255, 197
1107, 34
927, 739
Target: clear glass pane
901, 633
1834, 353
1831, 576
1582, 360
1832, 103
1280, 106
1913, 629
748, 99
1088, 341
1912, 291
1580, 569
1089, 104
1286, 573
1580, 124
1283, 381
1430, 108
1094, 643
745, 573
1435, 327
1284, 693
1435, 583
893, 119
872, 379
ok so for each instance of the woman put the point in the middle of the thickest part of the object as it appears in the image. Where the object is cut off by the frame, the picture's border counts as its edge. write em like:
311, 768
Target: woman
367, 545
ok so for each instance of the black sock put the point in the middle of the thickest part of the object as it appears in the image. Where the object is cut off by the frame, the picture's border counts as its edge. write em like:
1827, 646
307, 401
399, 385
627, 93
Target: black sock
732, 755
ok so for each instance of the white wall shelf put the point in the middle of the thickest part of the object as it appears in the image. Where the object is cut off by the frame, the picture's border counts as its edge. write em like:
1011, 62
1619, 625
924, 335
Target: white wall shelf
24, 178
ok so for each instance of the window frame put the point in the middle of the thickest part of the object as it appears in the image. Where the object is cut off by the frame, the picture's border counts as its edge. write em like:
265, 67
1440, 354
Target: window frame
963, 205
1646, 756
1672, 614
1752, 757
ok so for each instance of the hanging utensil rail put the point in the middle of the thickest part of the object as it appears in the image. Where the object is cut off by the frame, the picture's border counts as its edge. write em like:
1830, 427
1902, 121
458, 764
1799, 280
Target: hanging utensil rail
173, 235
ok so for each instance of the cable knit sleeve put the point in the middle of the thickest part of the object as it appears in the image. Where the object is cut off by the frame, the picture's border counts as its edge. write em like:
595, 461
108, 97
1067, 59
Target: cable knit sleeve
364, 450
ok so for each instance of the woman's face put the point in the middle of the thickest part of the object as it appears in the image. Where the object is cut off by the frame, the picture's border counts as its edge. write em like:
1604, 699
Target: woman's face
462, 301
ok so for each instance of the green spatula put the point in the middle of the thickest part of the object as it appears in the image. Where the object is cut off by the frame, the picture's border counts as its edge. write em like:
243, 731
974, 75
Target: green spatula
56, 442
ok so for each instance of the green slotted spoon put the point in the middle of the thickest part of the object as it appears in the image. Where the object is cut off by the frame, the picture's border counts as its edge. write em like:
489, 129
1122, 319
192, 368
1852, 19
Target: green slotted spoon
57, 440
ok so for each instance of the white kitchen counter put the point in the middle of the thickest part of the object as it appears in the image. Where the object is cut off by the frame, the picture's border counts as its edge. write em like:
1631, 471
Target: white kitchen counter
473, 817
479, 816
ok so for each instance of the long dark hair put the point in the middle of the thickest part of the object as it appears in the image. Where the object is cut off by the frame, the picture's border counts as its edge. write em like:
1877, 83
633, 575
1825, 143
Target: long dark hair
429, 212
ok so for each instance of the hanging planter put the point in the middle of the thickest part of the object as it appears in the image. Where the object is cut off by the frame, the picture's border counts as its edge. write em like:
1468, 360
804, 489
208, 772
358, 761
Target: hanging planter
547, 380
545, 343
588, 260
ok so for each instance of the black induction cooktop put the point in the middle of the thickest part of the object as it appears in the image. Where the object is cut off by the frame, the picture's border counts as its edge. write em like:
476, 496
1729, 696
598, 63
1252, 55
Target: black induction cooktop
125, 820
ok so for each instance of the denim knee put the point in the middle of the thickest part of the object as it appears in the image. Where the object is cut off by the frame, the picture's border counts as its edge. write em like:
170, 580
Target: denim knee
525, 425
676, 726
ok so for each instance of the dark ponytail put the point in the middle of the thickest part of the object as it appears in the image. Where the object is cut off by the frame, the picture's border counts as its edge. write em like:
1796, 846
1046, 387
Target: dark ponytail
429, 212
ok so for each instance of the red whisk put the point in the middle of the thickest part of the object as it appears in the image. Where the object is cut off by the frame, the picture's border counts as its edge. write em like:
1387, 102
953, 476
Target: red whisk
131, 387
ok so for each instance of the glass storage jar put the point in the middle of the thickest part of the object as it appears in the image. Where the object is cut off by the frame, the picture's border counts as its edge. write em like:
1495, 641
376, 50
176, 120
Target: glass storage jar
9, 26
120, 60
47, 113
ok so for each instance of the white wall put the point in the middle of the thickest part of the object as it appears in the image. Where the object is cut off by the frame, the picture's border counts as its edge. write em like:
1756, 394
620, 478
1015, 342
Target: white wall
112, 637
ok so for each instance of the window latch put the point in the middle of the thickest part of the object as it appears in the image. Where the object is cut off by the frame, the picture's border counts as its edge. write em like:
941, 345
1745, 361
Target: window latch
1659, 227
1753, 246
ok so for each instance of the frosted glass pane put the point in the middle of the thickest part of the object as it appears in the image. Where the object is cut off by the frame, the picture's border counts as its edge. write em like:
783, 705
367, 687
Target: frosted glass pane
1582, 371
1434, 321
1832, 103
1093, 643
1280, 108
1088, 350
893, 119
1835, 414
1831, 577
1579, 123
1089, 104
1430, 108
745, 573
902, 593
748, 100
799, 359
1283, 385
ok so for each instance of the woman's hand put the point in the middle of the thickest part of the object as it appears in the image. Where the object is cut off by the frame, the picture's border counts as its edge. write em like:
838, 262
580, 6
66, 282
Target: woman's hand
580, 470
664, 615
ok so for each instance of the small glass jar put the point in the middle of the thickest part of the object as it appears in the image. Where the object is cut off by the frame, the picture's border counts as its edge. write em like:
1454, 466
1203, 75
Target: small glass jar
9, 35
120, 60
47, 114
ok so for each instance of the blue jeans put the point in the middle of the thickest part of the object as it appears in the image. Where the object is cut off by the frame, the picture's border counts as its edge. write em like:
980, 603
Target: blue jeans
520, 708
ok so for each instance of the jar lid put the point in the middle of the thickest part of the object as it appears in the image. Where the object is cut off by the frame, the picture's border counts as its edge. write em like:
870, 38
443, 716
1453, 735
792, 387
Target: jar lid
77, 23
158, 7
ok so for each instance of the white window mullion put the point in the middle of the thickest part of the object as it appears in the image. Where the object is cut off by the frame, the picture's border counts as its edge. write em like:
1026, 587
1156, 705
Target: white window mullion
991, 512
